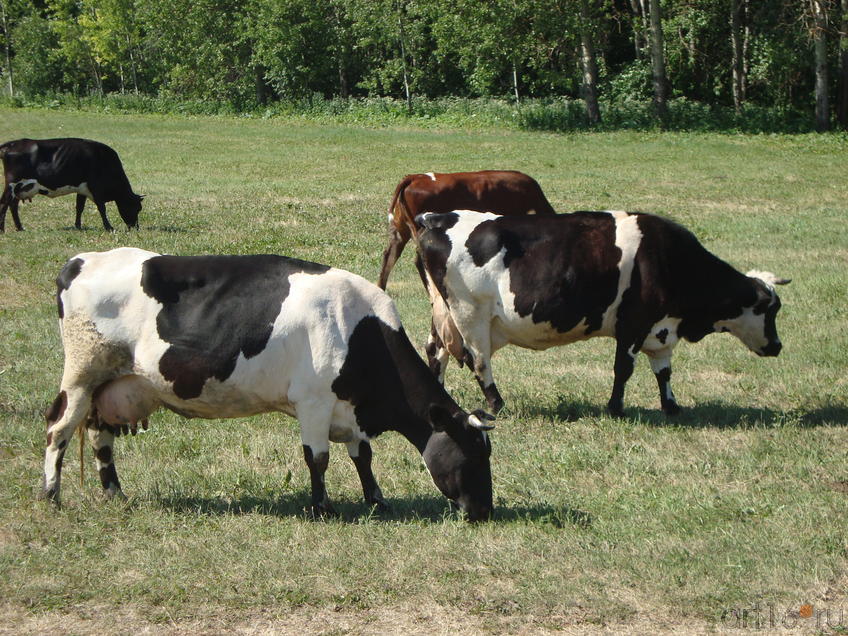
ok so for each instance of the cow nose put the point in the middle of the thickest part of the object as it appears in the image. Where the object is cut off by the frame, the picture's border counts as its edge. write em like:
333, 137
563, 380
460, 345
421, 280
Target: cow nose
772, 349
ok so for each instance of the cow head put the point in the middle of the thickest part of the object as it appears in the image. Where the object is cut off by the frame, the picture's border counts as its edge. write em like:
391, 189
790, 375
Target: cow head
129, 208
755, 325
457, 456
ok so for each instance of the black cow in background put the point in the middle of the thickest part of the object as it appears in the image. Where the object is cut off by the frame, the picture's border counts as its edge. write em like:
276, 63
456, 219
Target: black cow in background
56, 167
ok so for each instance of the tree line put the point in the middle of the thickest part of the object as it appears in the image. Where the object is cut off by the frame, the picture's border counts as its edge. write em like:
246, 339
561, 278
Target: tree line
789, 54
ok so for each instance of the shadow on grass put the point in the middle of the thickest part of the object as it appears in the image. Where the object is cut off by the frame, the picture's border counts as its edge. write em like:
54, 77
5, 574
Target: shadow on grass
702, 415
429, 509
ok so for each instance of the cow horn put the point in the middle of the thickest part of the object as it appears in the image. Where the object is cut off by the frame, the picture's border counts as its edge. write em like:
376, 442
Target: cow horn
768, 278
476, 420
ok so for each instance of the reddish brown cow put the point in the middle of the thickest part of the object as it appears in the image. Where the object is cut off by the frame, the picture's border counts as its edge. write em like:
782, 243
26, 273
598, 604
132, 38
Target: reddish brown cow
506, 192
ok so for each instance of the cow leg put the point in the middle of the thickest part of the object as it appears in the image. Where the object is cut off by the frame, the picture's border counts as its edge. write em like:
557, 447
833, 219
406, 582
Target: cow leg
5, 199
478, 354
397, 242
80, 208
623, 369
661, 366
102, 439
12, 203
315, 417
360, 452
63, 417
437, 354
101, 207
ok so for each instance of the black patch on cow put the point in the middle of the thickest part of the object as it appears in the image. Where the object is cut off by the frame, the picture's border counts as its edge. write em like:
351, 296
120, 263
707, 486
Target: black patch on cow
109, 477
662, 335
104, 454
63, 281
563, 269
62, 444
215, 308
56, 410
442, 222
487, 240
387, 382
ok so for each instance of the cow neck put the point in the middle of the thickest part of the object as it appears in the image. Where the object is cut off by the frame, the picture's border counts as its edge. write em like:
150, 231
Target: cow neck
389, 385
421, 390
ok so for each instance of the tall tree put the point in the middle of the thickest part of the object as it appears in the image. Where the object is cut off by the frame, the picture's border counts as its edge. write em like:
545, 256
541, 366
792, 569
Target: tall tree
589, 64
7, 45
658, 73
737, 36
842, 97
819, 27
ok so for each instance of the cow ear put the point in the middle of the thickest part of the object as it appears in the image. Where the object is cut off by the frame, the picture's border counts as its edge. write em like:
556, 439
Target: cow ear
440, 418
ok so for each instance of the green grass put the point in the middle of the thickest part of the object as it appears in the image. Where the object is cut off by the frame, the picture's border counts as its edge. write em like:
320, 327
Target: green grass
643, 524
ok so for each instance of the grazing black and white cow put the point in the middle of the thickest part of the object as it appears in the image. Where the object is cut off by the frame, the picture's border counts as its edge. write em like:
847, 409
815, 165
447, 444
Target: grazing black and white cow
545, 281
232, 336
55, 167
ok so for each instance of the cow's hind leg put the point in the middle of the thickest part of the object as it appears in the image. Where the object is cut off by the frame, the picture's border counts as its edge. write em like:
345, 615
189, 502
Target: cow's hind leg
397, 242
80, 207
314, 419
360, 453
63, 417
661, 366
5, 200
13, 203
102, 439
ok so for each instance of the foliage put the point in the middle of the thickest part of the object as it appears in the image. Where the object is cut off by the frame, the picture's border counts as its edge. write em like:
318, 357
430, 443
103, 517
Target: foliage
261, 51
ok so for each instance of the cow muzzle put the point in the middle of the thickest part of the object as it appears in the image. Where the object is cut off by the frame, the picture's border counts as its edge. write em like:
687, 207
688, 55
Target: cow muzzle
771, 349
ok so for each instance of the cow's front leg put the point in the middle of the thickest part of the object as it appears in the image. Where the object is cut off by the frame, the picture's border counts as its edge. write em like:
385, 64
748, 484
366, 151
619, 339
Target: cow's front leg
102, 439
478, 356
63, 417
360, 453
101, 207
80, 207
317, 463
624, 361
661, 366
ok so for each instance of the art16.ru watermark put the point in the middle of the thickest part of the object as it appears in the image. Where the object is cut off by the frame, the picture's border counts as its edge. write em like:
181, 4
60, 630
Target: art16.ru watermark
770, 616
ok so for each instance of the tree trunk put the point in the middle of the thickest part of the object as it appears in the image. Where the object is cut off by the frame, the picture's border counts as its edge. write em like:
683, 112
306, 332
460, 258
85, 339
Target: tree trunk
658, 63
403, 62
515, 82
638, 28
820, 47
842, 97
7, 40
590, 65
736, 36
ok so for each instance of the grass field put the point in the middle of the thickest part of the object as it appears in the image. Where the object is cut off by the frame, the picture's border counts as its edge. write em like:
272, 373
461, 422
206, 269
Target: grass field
732, 513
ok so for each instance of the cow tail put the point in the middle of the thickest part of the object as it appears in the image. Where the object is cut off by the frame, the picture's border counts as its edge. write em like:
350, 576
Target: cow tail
81, 430
404, 216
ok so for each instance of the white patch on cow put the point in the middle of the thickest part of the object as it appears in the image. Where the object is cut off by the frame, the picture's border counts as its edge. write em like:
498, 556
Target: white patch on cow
656, 342
391, 218
628, 236
431, 175
748, 327
28, 188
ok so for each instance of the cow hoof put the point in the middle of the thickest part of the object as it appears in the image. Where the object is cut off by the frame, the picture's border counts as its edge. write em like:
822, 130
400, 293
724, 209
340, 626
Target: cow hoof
496, 406
378, 505
114, 495
615, 411
671, 409
51, 495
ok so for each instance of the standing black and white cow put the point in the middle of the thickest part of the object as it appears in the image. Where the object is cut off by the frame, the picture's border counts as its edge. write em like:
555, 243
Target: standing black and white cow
232, 336
55, 167
543, 281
